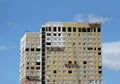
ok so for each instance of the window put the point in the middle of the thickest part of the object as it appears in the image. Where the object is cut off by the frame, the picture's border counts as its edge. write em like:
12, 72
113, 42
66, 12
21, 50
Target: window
88, 29
37, 63
75, 62
27, 68
54, 71
70, 71
73, 43
79, 29
70, 62
43, 28
49, 28
54, 29
32, 67
99, 53
46, 28
37, 49
27, 49
32, 49
48, 43
59, 29
48, 34
69, 29
27, 63
94, 29
84, 62
99, 49
59, 34
99, 30
100, 72
64, 29
100, 67
55, 34
74, 29
89, 48
37, 68
84, 29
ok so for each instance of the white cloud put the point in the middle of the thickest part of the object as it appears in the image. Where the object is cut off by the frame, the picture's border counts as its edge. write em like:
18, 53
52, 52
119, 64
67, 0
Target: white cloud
78, 17
2, 47
11, 24
90, 18
7, 47
111, 55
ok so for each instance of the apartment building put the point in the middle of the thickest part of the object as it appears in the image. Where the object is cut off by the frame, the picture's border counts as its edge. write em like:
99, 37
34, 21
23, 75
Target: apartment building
70, 53
30, 60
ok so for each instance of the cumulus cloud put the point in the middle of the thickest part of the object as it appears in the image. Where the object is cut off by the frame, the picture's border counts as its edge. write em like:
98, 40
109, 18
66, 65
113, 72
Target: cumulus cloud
111, 55
2, 47
90, 18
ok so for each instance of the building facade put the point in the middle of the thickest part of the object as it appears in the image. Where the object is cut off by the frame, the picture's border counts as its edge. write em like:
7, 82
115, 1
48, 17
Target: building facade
30, 60
70, 52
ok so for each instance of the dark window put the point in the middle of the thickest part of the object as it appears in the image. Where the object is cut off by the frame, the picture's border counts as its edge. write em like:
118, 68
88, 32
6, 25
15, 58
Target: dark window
32, 67
84, 62
88, 29
46, 28
59, 34
59, 29
55, 34
32, 49
99, 30
94, 48
69, 29
27, 63
48, 43
49, 28
79, 29
54, 29
37, 63
43, 28
27, 77
74, 29
99, 48
94, 29
75, 62
100, 72
90, 48
27, 68
69, 71
84, 29
73, 43
54, 71
37, 67
70, 62
37, 49
64, 29
78, 34
48, 34
100, 67
27, 49
99, 53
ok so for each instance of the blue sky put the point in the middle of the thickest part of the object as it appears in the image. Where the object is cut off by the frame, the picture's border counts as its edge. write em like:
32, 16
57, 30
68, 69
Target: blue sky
19, 16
